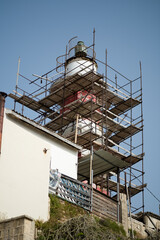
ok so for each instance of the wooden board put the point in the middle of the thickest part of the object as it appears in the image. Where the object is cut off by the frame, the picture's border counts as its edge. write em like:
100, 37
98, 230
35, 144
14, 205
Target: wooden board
124, 133
86, 137
66, 87
124, 106
103, 206
111, 97
29, 102
34, 105
131, 159
133, 190
69, 115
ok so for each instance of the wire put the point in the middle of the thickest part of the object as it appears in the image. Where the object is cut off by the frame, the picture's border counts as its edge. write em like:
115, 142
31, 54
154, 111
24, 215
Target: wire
148, 189
153, 194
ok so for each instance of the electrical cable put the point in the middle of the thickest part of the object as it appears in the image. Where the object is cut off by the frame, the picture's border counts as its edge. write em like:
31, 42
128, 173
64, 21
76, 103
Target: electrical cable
148, 189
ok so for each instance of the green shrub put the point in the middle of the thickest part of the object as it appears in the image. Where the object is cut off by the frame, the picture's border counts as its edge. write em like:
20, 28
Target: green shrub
113, 226
69, 221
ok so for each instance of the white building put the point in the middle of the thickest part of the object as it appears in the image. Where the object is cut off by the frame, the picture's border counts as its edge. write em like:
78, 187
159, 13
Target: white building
28, 151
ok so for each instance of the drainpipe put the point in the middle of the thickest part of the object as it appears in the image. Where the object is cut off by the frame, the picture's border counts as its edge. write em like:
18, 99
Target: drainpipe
2, 103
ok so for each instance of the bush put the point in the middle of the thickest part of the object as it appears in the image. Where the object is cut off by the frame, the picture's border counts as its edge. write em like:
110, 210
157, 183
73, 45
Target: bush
68, 221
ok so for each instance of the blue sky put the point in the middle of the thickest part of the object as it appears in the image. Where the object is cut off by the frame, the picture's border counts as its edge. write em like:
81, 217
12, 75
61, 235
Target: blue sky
38, 32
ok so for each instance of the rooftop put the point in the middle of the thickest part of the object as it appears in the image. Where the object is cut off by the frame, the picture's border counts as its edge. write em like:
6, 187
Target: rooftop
30, 122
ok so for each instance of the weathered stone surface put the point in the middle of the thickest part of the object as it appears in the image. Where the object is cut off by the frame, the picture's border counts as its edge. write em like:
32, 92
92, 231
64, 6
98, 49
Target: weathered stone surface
19, 228
124, 211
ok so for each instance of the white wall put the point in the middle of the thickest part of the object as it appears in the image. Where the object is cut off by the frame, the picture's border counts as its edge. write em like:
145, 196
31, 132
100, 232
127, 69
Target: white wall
24, 168
76, 65
64, 158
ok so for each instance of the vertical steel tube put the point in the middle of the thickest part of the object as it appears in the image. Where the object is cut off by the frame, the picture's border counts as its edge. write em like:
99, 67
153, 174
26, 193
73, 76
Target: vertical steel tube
108, 184
142, 135
116, 92
106, 105
76, 131
101, 183
131, 120
2, 104
64, 86
91, 114
125, 180
91, 166
16, 88
118, 182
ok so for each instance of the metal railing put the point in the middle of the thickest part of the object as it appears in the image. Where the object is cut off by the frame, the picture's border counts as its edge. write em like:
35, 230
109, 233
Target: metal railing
70, 189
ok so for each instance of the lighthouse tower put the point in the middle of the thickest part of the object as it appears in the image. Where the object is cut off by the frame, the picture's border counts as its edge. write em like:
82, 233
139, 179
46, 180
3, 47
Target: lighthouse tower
100, 112
79, 62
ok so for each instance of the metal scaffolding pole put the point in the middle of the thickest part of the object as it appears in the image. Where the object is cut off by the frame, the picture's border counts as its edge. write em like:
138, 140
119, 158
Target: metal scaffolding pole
106, 101
118, 192
142, 134
91, 115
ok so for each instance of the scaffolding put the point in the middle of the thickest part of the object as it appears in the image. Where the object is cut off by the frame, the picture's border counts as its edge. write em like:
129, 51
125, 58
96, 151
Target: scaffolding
101, 112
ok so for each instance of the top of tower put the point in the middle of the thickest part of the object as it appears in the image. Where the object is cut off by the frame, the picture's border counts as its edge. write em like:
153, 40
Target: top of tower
80, 49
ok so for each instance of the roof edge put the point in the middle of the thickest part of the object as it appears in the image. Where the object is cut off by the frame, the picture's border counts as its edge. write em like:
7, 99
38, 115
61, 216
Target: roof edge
41, 128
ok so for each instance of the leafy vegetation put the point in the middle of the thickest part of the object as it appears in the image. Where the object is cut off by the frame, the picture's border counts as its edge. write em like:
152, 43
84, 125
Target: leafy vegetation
154, 236
113, 226
68, 221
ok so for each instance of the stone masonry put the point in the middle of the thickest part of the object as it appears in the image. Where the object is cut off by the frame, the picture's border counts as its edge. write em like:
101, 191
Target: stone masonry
18, 228
124, 211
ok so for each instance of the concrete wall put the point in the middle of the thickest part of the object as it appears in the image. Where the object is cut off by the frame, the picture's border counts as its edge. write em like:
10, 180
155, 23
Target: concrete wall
126, 221
24, 168
149, 223
19, 228
124, 211
137, 226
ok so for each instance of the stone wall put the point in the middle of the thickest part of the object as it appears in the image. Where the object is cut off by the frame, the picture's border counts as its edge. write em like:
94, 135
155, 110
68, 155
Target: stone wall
137, 226
151, 221
123, 211
18, 228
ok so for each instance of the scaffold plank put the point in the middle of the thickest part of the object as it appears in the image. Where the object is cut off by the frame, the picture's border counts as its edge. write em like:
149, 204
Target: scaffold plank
29, 102
131, 159
68, 86
111, 97
77, 79
57, 123
122, 188
113, 186
103, 120
123, 106
132, 190
124, 133
69, 114
86, 137
103, 161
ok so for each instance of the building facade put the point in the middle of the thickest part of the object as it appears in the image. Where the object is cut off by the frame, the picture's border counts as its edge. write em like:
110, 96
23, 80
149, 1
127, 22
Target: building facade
28, 152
